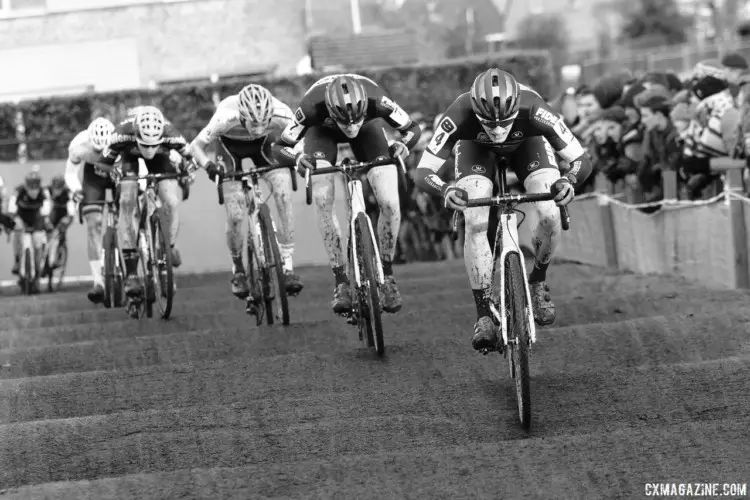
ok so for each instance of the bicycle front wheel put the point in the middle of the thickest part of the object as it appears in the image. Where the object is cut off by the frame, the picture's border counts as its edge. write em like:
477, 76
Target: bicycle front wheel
110, 247
57, 275
274, 270
518, 336
28, 271
368, 290
161, 267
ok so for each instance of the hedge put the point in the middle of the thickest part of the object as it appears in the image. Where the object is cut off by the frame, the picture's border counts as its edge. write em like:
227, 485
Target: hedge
51, 123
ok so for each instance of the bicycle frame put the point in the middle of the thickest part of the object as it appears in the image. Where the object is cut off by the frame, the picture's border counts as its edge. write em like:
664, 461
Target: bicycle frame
253, 197
355, 200
507, 235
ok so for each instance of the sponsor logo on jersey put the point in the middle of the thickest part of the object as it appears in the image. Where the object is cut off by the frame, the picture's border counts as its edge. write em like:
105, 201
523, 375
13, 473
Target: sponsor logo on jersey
575, 167
440, 138
546, 117
483, 137
479, 169
299, 116
533, 166
563, 131
386, 102
517, 134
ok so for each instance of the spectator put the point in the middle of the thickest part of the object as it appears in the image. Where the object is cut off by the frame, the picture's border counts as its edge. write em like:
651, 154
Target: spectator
661, 150
605, 147
713, 130
734, 64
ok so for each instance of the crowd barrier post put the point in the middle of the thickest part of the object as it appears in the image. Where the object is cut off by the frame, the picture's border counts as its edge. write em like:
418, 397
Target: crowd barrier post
732, 170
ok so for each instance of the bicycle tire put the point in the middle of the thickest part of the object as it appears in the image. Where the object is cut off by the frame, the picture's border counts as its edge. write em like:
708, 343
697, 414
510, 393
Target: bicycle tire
274, 267
518, 336
254, 279
119, 276
161, 267
28, 276
61, 264
369, 287
109, 267
147, 302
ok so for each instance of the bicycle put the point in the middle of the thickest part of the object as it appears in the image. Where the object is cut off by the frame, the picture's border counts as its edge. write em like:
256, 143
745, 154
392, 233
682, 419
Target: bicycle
511, 303
154, 247
113, 272
29, 268
265, 267
363, 254
54, 269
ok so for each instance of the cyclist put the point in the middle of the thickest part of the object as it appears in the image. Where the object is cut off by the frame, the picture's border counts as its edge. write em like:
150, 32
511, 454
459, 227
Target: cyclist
246, 125
61, 215
6, 221
149, 136
30, 206
85, 152
500, 118
352, 109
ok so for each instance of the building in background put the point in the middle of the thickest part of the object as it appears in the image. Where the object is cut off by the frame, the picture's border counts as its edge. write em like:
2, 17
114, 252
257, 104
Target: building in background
52, 47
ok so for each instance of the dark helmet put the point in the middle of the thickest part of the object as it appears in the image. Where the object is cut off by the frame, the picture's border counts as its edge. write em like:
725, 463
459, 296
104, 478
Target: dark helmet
58, 182
495, 95
346, 100
33, 180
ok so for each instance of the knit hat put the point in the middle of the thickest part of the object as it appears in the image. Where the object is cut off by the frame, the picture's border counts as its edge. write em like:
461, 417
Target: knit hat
613, 114
655, 91
654, 102
734, 60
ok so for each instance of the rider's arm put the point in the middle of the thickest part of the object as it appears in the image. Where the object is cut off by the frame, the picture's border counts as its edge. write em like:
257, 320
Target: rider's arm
426, 175
13, 204
564, 143
46, 204
399, 119
438, 150
72, 171
222, 121
173, 139
71, 208
283, 149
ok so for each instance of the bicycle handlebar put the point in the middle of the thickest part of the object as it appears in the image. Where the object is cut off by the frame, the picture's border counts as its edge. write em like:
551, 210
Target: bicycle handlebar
496, 201
347, 166
255, 171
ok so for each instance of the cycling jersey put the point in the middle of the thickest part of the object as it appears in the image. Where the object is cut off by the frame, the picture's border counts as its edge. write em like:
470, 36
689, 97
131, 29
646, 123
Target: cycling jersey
31, 210
535, 119
81, 154
124, 142
312, 111
227, 122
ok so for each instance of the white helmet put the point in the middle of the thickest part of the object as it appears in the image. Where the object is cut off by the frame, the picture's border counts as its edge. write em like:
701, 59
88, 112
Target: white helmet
149, 126
256, 105
99, 132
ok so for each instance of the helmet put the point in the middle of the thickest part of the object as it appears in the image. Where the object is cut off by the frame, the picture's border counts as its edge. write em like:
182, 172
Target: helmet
256, 105
58, 182
33, 180
149, 126
346, 100
99, 132
495, 95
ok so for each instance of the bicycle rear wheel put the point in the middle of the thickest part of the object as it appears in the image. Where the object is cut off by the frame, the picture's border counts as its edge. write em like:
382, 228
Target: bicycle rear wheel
274, 270
518, 336
368, 292
161, 267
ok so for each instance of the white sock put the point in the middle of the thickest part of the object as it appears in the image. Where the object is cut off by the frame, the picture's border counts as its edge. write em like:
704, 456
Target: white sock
286, 251
96, 271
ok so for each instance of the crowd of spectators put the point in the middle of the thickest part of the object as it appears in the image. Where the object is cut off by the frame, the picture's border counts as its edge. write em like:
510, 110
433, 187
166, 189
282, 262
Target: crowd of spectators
635, 127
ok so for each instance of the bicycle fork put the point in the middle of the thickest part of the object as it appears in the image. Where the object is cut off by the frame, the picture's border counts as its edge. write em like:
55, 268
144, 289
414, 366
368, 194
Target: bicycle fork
507, 235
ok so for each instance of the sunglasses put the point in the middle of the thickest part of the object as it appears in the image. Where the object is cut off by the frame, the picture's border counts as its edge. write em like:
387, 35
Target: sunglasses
494, 124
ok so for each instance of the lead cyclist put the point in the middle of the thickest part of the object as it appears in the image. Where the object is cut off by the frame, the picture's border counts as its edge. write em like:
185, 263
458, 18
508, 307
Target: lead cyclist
499, 118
